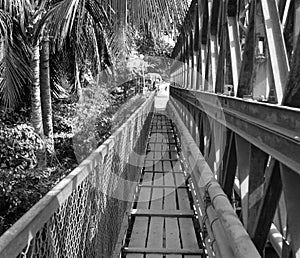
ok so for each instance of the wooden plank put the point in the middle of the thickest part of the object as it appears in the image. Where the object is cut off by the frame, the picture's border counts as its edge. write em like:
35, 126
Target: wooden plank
183, 199
164, 186
156, 147
157, 199
169, 179
162, 213
179, 179
172, 233
153, 256
148, 165
170, 199
134, 256
188, 235
153, 138
147, 179
158, 179
158, 154
158, 166
139, 232
156, 232
150, 156
163, 251
161, 138
167, 165
151, 147
144, 198
165, 151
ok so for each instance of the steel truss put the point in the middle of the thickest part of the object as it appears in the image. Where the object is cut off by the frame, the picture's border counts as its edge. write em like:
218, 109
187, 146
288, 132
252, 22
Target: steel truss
235, 78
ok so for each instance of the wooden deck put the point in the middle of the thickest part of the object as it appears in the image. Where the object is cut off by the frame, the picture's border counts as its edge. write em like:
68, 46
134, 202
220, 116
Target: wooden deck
162, 221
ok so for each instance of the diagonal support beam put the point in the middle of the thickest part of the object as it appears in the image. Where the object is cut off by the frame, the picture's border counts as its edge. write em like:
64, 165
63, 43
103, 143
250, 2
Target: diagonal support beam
276, 44
265, 214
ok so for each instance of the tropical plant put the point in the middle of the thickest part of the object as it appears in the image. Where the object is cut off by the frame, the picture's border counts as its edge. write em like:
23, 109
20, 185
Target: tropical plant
15, 54
90, 31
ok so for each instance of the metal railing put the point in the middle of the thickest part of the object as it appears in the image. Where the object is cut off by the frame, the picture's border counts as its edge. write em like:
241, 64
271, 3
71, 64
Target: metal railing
83, 214
235, 86
222, 231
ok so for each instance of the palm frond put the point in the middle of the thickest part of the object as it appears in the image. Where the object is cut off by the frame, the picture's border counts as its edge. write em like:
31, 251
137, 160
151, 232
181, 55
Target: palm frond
6, 25
63, 16
158, 17
19, 10
14, 69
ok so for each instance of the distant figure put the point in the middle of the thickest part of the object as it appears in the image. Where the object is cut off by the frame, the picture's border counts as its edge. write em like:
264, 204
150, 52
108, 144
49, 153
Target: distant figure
154, 88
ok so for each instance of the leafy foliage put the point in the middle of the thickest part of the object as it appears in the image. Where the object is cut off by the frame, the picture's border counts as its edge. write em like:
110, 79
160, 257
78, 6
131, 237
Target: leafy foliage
18, 145
147, 44
14, 65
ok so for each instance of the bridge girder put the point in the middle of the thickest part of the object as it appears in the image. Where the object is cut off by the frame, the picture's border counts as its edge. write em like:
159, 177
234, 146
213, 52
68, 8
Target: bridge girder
241, 78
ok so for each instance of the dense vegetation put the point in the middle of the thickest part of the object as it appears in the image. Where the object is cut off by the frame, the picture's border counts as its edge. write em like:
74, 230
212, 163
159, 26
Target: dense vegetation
60, 64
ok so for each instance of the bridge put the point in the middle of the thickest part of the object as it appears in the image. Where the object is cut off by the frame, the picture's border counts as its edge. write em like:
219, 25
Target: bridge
210, 171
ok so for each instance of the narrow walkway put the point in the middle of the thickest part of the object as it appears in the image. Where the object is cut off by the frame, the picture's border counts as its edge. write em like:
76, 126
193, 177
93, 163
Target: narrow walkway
162, 223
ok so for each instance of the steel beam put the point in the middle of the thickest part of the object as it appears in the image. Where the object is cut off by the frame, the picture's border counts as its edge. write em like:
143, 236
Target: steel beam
276, 46
230, 164
247, 65
292, 90
290, 182
265, 214
274, 129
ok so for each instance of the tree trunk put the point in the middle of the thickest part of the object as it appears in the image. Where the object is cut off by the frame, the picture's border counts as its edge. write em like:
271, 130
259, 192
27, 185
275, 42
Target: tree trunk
78, 85
46, 94
36, 110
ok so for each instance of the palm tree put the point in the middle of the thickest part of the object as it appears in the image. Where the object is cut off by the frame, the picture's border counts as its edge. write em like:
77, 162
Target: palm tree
68, 19
20, 65
87, 27
46, 92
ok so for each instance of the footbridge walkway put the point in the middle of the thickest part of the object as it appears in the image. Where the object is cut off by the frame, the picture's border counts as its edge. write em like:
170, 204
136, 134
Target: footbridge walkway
211, 170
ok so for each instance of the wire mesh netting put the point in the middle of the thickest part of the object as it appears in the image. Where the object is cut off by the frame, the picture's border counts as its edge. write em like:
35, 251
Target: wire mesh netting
82, 216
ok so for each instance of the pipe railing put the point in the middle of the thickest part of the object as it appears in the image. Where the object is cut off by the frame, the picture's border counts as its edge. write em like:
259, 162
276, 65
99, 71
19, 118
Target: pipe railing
235, 78
221, 221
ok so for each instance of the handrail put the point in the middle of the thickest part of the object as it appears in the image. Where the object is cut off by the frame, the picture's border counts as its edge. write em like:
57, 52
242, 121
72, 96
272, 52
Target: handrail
235, 76
207, 187
41, 226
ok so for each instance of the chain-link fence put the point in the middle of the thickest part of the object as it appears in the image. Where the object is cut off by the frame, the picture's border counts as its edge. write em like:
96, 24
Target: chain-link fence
83, 214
